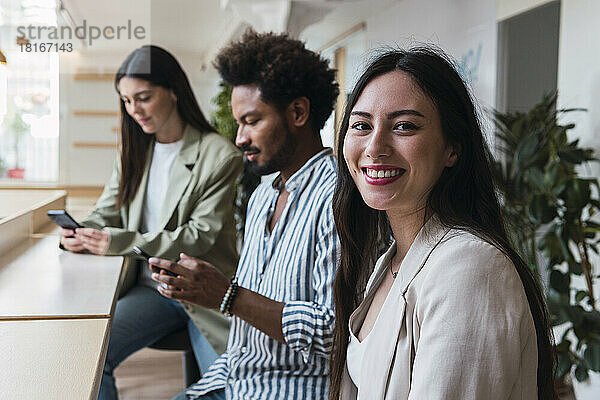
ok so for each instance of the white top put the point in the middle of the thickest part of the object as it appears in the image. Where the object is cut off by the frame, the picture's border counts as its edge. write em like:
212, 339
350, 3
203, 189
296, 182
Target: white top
354, 357
158, 180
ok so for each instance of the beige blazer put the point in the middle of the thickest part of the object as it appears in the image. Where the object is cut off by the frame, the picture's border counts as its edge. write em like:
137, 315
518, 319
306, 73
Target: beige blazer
455, 325
197, 217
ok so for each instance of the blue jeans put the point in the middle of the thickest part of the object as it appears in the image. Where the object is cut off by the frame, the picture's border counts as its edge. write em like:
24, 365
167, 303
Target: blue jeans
142, 317
216, 395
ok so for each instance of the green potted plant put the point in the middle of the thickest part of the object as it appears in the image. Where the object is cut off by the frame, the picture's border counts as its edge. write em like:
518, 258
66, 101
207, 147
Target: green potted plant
550, 210
2, 167
19, 128
224, 122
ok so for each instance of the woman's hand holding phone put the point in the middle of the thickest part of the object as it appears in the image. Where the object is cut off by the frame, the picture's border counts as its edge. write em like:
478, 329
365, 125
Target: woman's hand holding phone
70, 241
81, 239
94, 240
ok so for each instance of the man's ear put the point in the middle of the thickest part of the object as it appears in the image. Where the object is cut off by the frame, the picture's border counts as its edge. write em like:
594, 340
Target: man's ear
299, 111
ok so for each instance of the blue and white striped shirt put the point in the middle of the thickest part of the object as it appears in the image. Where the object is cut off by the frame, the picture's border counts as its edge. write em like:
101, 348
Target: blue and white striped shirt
294, 264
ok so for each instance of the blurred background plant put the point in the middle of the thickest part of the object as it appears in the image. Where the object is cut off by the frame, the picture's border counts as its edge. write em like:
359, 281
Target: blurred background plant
224, 122
19, 129
2, 167
550, 212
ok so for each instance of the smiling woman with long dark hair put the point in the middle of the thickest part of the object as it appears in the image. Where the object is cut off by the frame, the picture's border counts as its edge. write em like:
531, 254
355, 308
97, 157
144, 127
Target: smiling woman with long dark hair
431, 300
171, 192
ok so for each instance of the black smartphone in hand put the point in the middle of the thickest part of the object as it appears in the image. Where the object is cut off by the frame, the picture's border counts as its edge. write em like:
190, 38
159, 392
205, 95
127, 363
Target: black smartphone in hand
147, 256
63, 219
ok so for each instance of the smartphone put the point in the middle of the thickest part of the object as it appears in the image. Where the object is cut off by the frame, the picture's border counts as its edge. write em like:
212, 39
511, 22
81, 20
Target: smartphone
63, 219
147, 256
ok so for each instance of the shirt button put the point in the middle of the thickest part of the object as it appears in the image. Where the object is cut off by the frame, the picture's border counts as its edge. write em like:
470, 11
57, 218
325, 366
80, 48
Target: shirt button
243, 349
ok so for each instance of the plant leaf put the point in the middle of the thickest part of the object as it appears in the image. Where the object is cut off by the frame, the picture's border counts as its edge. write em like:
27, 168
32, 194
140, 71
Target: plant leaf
525, 150
541, 210
559, 281
578, 193
564, 364
576, 315
591, 355
581, 373
573, 155
575, 267
581, 294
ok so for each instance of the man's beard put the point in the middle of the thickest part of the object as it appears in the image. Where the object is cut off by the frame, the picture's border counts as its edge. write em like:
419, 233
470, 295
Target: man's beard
280, 159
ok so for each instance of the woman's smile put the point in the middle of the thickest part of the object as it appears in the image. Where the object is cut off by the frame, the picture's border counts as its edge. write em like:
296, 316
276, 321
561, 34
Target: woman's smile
381, 174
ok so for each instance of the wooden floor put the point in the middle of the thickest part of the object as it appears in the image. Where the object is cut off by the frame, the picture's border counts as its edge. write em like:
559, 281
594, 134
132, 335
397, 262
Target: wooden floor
148, 374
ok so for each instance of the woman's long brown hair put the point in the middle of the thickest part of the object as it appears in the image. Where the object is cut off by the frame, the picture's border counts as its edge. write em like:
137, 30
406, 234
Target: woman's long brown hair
463, 198
160, 68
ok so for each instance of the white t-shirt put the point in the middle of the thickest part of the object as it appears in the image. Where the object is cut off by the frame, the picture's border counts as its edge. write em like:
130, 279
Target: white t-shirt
158, 180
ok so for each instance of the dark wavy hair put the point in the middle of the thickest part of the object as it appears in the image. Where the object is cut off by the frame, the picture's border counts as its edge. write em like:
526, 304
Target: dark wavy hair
463, 198
159, 68
283, 69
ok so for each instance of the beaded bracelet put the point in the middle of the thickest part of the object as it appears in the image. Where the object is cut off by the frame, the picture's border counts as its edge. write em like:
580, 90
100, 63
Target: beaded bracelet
228, 298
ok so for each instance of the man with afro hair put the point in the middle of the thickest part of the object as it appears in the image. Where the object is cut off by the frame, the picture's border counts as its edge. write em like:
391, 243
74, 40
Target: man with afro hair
281, 299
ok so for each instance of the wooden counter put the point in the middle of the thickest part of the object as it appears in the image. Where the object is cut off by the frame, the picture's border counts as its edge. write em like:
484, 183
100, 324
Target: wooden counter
58, 359
40, 281
23, 215
55, 306
35, 202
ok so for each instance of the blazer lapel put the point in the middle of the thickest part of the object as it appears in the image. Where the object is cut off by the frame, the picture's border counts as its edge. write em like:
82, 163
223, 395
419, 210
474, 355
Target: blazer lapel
383, 341
430, 235
136, 207
377, 364
181, 174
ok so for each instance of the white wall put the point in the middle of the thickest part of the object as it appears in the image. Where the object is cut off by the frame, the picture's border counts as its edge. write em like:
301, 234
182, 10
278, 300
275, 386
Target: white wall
579, 69
466, 29
579, 86
579, 80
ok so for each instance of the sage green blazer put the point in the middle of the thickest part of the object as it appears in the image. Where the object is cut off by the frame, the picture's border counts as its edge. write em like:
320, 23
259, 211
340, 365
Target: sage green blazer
197, 217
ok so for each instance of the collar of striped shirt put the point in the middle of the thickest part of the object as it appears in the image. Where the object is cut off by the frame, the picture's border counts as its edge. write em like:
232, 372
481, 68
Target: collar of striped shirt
297, 178
295, 264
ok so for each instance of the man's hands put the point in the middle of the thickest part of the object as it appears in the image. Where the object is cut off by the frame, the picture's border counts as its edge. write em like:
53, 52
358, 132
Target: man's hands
197, 282
93, 240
